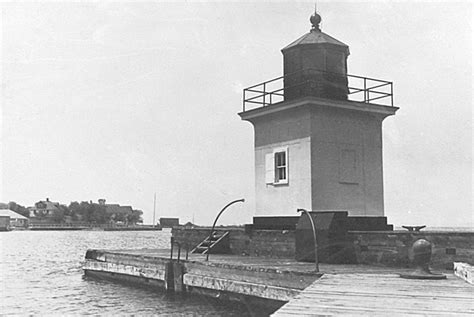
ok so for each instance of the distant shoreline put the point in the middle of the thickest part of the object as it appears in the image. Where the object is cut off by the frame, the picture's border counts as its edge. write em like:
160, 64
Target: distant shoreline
94, 229
80, 227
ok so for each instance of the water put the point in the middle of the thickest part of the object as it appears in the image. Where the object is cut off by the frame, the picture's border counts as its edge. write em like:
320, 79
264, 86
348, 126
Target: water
41, 274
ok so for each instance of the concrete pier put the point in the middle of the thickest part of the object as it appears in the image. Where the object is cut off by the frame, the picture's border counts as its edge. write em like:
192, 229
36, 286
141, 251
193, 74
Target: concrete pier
267, 282
223, 275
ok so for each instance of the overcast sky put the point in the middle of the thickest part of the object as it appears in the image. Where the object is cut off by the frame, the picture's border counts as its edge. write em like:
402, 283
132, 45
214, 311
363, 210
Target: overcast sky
122, 100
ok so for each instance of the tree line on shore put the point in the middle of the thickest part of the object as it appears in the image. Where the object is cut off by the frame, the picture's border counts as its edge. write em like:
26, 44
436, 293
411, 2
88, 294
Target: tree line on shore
84, 212
13, 206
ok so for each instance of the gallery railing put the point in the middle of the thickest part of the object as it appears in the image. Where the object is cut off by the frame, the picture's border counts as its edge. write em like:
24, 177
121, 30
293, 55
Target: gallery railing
313, 82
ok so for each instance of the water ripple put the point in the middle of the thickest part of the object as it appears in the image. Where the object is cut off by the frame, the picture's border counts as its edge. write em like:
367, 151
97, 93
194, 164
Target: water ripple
41, 274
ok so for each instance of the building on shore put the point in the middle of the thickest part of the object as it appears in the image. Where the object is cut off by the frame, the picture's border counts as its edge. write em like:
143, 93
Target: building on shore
169, 222
44, 210
116, 212
48, 212
16, 220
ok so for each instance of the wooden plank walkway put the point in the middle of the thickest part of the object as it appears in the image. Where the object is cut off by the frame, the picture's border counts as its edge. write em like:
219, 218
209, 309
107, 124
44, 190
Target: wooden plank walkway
382, 295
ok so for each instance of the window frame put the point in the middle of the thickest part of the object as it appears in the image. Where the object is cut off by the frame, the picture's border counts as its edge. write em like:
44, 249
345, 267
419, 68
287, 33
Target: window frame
284, 167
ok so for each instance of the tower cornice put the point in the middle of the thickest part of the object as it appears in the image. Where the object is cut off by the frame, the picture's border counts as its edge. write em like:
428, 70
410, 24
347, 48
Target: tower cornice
311, 101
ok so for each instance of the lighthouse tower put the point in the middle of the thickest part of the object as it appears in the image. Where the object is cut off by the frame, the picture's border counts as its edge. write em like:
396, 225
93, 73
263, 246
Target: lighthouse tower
318, 132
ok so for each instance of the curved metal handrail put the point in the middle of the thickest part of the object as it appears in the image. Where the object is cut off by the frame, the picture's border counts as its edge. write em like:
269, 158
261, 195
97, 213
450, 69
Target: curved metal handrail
316, 259
215, 221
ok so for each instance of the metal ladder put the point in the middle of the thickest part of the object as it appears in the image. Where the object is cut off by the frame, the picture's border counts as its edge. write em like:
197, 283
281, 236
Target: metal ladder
207, 244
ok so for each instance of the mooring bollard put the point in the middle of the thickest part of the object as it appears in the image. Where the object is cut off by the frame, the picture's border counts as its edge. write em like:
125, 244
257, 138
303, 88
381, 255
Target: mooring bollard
421, 259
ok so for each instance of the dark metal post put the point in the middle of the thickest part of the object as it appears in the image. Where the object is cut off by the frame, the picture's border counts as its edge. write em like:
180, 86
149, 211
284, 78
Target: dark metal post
316, 259
243, 102
179, 251
391, 92
154, 210
264, 95
172, 243
365, 89
215, 221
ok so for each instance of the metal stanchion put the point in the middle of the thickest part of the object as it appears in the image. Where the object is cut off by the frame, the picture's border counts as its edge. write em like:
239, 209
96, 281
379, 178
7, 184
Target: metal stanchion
215, 221
316, 259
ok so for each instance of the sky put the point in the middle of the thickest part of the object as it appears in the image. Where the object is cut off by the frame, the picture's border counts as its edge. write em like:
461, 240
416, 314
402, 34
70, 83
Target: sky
123, 100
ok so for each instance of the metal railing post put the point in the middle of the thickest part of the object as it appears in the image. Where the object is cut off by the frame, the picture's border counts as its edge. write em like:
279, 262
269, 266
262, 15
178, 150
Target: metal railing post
179, 251
391, 93
316, 258
214, 224
365, 89
264, 94
172, 243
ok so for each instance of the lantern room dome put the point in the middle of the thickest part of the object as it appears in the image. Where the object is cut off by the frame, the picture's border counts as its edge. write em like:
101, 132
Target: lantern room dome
316, 37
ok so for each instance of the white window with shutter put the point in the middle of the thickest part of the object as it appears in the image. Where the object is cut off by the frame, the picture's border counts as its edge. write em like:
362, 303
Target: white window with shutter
276, 166
269, 169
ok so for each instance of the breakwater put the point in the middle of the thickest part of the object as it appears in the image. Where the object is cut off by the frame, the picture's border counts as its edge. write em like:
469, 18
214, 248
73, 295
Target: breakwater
259, 268
268, 284
262, 283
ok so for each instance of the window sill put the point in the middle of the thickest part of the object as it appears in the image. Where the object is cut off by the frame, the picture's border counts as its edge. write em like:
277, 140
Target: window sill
349, 183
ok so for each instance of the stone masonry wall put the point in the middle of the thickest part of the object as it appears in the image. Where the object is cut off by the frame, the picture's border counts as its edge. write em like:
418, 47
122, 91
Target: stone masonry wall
393, 248
268, 243
189, 238
390, 248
